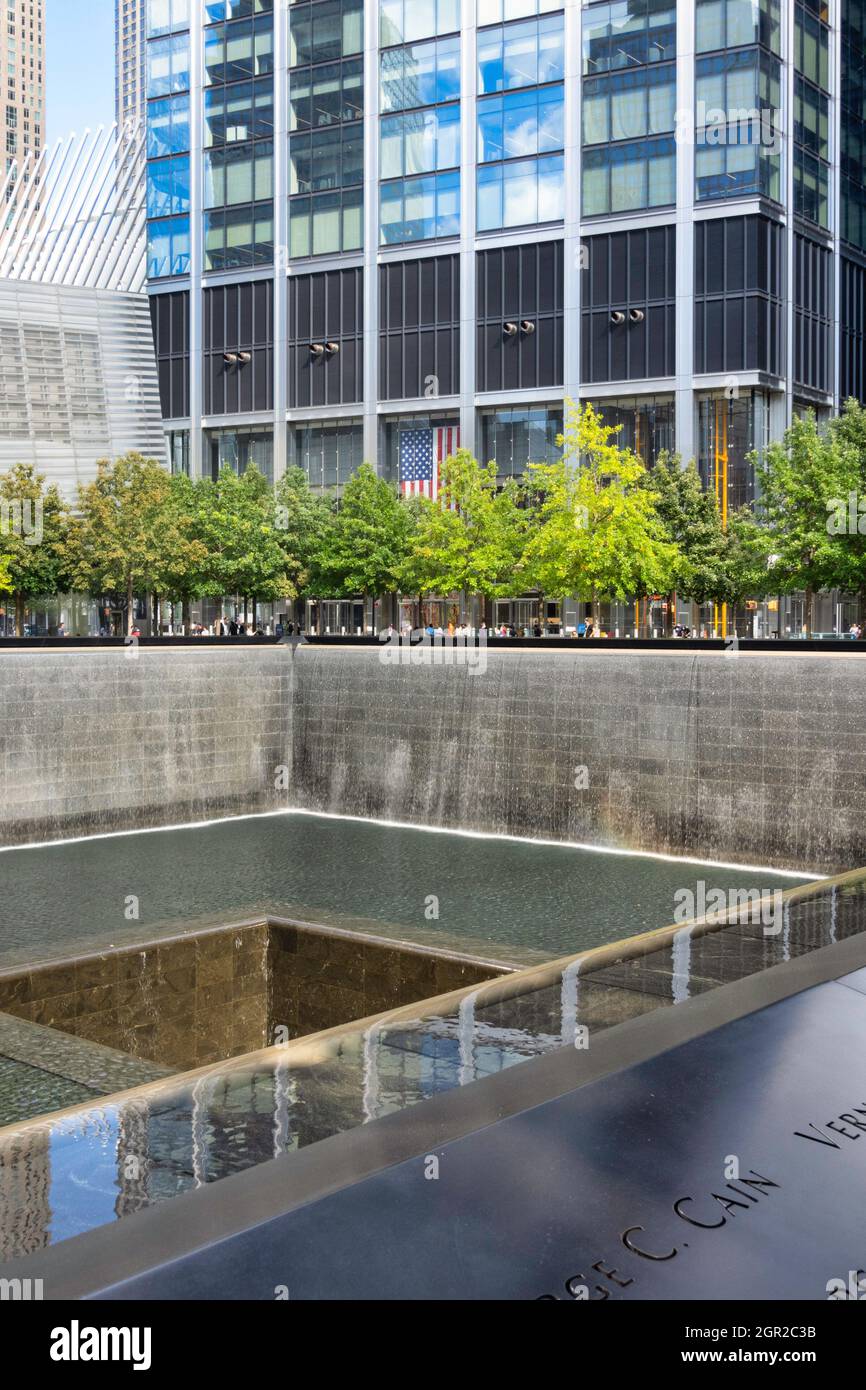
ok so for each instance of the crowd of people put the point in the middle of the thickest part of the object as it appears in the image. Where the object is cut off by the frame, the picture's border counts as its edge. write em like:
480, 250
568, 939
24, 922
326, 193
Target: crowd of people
464, 629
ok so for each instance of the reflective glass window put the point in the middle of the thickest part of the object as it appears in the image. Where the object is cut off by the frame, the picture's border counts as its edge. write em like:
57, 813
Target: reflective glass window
421, 74
419, 209
168, 65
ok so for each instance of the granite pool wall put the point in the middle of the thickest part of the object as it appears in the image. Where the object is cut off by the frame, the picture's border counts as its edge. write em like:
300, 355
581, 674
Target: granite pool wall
188, 1000
129, 738
755, 758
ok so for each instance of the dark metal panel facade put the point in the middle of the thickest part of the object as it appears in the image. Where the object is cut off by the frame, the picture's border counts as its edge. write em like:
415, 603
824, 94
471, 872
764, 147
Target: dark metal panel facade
852, 316
632, 275
326, 311
169, 317
813, 301
238, 324
739, 283
520, 288
419, 328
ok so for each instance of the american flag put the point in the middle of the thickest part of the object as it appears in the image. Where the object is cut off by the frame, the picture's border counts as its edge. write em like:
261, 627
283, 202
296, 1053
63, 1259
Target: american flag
422, 453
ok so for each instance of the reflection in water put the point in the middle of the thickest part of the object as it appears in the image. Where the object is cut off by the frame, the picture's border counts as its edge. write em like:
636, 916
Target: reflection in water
682, 954
570, 1004
371, 1073
91, 1166
466, 1034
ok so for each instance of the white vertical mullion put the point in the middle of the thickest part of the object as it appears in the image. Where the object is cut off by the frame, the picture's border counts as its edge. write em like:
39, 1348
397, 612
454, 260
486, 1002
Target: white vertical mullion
787, 39
371, 233
835, 153
468, 316
196, 231
573, 181
281, 239
685, 244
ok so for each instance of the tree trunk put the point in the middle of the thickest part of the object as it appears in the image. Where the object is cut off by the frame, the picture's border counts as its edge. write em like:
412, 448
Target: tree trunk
129, 607
862, 609
155, 623
19, 615
185, 615
596, 609
808, 606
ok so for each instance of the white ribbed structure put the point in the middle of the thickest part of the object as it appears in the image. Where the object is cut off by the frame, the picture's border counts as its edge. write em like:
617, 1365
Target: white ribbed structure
75, 216
78, 379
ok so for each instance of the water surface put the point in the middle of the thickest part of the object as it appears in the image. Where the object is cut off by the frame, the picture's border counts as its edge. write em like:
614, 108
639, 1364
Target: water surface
505, 897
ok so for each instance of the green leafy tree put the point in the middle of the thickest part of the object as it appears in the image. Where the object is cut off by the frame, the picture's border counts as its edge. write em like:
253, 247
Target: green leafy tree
749, 563
33, 531
692, 522
599, 533
304, 520
114, 545
471, 538
849, 432
181, 567
799, 479
363, 552
235, 520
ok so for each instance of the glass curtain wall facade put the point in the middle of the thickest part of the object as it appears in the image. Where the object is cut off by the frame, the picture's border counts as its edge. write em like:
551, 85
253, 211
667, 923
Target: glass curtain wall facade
326, 127
169, 138
398, 222
238, 125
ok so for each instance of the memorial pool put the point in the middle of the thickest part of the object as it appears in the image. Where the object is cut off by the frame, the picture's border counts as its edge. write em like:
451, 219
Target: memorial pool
514, 899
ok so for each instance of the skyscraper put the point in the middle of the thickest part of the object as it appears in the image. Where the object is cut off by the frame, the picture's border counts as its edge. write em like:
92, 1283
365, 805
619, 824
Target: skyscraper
369, 217
22, 75
129, 33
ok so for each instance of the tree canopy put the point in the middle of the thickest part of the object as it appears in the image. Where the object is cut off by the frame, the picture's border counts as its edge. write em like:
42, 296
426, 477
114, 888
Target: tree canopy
599, 535
596, 524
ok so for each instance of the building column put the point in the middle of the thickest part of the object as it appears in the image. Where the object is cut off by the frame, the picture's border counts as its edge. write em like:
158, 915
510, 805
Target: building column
196, 233
836, 195
778, 427
468, 156
572, 261
685, 276
371, 235
281, 238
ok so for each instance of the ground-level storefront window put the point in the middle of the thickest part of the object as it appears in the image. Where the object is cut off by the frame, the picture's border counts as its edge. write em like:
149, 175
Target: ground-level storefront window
646, 424
729, 430
178, 451
329, 451
414, 447
239, 448
516, 437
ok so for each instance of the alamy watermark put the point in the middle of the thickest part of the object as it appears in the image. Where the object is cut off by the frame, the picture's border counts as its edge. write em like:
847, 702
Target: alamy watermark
420, 648
854, 1287
716, 126
24, 519
846, 516
765, 907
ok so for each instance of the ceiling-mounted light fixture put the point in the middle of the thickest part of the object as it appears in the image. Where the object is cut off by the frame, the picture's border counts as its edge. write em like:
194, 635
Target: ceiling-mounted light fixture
527, 327
510, 330
617, 316
636, 315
